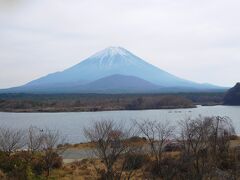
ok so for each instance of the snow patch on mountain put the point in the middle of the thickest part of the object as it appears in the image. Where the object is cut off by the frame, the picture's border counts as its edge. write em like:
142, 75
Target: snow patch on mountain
112, 56
111, 51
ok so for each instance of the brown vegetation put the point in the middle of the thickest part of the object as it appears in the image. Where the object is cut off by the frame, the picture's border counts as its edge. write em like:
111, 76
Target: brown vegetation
201, 148
206, 148
30, 154
70, 103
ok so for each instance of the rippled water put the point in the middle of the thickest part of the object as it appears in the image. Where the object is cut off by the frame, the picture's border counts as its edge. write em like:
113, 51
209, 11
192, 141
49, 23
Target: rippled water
71, 124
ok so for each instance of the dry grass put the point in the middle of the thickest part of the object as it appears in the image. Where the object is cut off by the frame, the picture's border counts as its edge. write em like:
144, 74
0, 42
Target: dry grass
235, 143
138, 142
86, 169
82, 146
92, 145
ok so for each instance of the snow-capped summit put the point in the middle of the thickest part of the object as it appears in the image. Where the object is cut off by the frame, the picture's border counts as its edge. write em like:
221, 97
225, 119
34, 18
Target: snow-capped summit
107, 63
112, 56
112, 51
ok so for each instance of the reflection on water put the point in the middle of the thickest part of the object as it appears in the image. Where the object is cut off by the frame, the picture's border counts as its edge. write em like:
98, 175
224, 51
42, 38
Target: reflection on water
71, 124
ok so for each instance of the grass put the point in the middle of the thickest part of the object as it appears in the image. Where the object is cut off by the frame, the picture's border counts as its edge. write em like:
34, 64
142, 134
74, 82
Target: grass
85, 169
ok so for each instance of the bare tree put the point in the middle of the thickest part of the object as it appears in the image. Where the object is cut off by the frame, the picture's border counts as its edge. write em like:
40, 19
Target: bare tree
194, 139
158, 135
205, 141
219, 139
11, 139
50, 140
34, 139
110, 139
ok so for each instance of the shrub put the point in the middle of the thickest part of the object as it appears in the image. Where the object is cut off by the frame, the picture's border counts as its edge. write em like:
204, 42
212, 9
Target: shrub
167, 169
25, 165
57, 161
2, 175
135, 161
233, 137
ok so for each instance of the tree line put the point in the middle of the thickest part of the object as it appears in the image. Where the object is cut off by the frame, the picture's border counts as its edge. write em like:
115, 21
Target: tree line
98, 102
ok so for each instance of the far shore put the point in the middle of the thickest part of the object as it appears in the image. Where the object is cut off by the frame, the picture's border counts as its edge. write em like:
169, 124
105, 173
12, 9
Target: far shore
28, 103
98, 110
54, 110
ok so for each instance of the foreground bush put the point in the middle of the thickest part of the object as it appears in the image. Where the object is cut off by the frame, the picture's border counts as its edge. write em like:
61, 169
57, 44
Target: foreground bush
39, 158
25, 165
135, 161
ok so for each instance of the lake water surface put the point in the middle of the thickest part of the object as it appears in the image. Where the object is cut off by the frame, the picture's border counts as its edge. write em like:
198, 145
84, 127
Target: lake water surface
71, 124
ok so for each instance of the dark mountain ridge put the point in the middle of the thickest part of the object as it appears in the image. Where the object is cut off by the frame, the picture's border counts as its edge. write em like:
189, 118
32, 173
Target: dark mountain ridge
232, 97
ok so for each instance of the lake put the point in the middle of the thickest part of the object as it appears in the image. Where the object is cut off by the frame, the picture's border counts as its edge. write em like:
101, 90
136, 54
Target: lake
71, 123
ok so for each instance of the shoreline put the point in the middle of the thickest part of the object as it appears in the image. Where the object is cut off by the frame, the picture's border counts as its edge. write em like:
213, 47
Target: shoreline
96, 103
109, 110
98, 110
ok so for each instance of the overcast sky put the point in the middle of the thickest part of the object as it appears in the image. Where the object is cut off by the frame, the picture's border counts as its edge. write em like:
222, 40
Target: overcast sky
196, 40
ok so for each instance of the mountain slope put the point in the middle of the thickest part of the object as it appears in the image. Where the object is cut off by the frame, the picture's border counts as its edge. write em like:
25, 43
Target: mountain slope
110, 61
106, 63
120, 83
111, 84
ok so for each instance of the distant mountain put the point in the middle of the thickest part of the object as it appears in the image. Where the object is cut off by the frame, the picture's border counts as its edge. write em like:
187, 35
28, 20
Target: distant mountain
112, 68
120, 83
233, 96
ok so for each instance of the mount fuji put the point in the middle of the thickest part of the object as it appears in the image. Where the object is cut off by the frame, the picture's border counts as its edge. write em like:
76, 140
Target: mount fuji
112, 70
